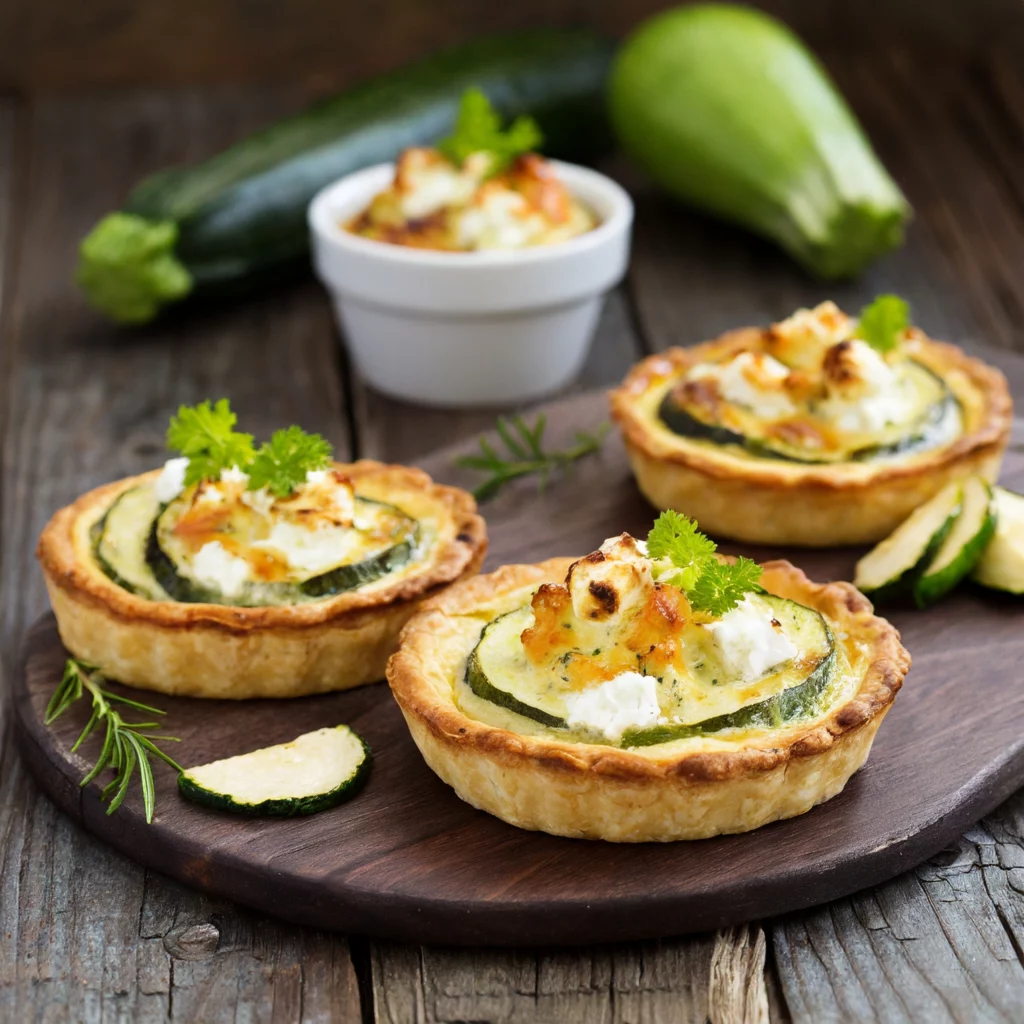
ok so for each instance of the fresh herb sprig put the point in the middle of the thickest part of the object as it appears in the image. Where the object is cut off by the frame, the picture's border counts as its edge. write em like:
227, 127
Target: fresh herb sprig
711, 585
206, 434
525, 454
282, 462
883, 322
126, 745
478, 129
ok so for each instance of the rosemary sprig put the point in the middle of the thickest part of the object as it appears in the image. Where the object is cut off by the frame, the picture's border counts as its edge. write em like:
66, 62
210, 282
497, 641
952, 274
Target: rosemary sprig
525, 454
126, 745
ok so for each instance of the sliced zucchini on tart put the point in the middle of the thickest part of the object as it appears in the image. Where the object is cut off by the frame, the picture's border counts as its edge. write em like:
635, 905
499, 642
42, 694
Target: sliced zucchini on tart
646, 693
242, 572
311, 773
821, 430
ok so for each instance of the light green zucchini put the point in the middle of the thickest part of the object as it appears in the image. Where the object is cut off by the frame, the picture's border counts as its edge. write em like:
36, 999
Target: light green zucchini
1001, 565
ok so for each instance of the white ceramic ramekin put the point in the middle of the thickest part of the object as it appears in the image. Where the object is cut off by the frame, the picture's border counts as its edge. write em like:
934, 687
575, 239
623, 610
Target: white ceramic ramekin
469, 328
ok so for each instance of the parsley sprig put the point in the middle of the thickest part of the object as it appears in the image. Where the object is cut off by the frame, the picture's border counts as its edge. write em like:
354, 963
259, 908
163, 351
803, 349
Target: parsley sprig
478, 129
711, 585
282, 462
883, 322
206, 434
126, 745
526, 454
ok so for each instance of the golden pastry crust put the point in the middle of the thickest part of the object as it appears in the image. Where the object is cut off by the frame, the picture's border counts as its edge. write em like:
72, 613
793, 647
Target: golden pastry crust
768, 501
211, 650
677, 791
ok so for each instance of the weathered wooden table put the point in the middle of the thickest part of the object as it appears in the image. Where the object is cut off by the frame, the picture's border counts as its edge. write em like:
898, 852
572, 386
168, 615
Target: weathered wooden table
88, 935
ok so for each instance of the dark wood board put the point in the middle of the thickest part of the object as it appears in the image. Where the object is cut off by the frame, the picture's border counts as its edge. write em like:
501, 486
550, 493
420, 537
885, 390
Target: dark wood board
408, 859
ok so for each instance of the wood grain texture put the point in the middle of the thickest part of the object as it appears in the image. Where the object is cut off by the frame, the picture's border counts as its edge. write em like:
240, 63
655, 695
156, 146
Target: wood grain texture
51, 44
380, 866
88, 934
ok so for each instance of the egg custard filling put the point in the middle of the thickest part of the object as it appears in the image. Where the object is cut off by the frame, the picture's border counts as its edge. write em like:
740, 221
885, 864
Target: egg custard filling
613, 655
648, 691
481, 188
812, 390
220, 542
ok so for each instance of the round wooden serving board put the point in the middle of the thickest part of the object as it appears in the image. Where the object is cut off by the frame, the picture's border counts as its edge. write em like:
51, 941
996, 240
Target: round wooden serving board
408, 859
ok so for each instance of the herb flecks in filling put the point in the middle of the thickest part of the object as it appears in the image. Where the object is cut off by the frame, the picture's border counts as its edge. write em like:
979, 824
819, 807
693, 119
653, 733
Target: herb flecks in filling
819, 387
649, 643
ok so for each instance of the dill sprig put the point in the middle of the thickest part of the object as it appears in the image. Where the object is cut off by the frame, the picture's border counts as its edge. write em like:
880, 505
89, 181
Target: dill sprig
525, 454
126, 745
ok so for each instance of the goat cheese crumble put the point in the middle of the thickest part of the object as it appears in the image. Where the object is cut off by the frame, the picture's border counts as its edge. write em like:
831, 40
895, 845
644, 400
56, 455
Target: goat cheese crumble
747, 641
216, 566
171, 481
629, 701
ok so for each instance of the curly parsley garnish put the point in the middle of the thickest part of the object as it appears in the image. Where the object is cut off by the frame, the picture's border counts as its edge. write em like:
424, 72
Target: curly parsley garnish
205, 434
883, 322
478, 129
711, 586
282, 462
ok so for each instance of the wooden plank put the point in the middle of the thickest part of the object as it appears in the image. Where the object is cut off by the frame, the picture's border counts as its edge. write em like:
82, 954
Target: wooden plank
62, 44
90, 935
716, 977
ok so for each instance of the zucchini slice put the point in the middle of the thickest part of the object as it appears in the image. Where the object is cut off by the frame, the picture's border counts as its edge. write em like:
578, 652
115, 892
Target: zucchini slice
963, 545
498, 671
311, 773
891, 569
937, 419
1001, 565
120, 542
168, 562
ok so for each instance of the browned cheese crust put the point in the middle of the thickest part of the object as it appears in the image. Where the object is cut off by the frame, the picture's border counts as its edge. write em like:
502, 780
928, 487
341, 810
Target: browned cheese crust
647, 794
211, 650
769, 501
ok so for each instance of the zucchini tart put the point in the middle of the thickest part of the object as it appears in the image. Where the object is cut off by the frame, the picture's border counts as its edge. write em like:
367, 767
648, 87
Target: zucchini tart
821, 430
646, 693
236, 573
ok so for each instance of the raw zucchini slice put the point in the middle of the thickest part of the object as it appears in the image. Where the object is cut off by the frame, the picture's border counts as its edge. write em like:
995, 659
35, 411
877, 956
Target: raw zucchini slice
120, 542
1001, 566
891, 569
498, 671
937, 419
311, 773
169, 561
963, 545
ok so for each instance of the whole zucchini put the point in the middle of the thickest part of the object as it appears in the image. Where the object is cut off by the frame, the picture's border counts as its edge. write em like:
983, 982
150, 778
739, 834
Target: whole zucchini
725, 109
240, 216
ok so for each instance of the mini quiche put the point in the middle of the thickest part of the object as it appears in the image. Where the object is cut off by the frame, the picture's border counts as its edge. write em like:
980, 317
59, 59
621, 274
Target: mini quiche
626, 698
821, 430
290, 576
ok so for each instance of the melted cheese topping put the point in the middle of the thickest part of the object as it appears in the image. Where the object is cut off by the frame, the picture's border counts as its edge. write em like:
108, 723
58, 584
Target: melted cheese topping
811, 386
228, 535
434, 204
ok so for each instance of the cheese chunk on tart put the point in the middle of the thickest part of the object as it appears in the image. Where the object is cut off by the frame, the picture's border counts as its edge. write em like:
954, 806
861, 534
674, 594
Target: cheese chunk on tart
602, 699
805, 433
222, 589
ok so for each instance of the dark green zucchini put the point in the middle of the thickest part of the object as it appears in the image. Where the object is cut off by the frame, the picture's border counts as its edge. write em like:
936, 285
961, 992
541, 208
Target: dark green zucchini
119, 542
181, 587
926, 432
311, 773
239, 218
498, 672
